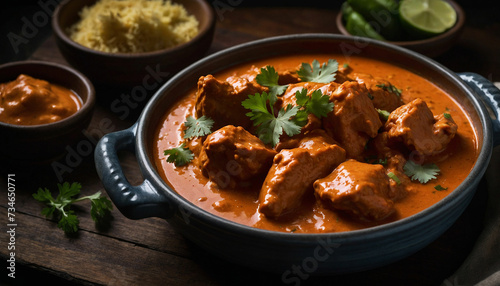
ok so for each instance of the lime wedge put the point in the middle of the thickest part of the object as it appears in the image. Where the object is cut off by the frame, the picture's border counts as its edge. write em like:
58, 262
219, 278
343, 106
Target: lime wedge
426, 18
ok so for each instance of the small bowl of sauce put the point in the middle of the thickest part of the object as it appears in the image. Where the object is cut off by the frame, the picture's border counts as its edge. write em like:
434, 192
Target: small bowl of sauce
31, 101
44, 109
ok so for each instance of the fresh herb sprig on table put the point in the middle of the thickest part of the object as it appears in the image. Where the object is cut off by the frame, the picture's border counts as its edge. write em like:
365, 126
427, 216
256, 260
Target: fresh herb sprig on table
60, 207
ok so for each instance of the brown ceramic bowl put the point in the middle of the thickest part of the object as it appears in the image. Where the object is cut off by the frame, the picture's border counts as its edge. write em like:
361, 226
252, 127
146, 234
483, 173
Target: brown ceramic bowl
38, 144
431, 47
126, 69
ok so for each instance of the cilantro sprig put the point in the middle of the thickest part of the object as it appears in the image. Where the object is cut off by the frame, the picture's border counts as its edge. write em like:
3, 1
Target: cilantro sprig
422, 173
60, 207
269, 77
318, 104
270, 126
180, 155
318, 73
195, 127
290, 119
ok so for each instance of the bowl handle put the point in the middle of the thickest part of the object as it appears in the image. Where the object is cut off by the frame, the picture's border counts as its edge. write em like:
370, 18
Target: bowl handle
490, 95
134, 202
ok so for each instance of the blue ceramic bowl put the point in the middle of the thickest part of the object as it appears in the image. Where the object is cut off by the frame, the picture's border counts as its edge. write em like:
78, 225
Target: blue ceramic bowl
328, 253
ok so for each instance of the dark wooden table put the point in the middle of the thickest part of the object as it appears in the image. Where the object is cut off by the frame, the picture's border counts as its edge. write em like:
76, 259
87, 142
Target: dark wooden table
148, 251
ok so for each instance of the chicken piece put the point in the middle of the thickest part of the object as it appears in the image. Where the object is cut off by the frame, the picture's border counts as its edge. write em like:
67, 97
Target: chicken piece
360, 189
397, 189
284, 76
414, 125
249, 75
378, 87
232, 157
309, 140
287, 77
354, 119
221, 100
343, 74
289, 96
294, 171
393, 160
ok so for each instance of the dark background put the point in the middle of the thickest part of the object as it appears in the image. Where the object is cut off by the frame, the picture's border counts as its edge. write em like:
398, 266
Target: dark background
14, 13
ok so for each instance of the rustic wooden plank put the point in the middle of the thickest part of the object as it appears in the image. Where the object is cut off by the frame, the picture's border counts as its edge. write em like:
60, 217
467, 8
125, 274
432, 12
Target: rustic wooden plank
154, 232
94, 257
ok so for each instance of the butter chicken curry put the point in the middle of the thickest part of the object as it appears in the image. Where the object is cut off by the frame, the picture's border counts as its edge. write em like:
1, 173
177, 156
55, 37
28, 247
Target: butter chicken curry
308, 144
32, 101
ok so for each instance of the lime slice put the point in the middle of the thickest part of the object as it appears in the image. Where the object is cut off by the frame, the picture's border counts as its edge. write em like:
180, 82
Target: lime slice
426, 18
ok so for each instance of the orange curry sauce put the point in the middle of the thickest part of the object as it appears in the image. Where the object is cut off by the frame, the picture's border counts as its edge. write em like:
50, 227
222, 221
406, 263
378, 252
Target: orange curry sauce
241, 206
30, 101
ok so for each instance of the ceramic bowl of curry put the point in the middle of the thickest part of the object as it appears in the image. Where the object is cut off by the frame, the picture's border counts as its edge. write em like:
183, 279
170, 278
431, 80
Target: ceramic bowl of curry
45, 108
231, 213
130, 69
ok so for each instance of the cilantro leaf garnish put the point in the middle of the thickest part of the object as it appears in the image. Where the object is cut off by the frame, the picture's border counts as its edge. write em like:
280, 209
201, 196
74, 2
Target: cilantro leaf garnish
269, 77
322, 74
283, 122
197, 127
422, 173
384, 114
440, 188
390, 88
290, 119
394, 177
258, 105
447, 115
270, 126
60, 206
180, 155
373, 159
318, 104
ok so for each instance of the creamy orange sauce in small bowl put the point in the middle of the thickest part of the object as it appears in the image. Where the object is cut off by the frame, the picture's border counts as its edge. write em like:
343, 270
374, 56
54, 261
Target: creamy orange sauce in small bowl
31, 101
44, 110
